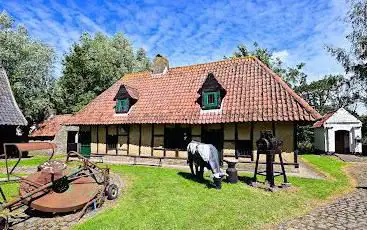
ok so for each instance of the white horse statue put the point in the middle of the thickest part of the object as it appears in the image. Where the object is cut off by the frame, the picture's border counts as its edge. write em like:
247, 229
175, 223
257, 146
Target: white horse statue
203, 155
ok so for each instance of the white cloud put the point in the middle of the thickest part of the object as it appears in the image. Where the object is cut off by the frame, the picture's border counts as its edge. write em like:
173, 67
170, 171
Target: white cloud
189, 32
282, 55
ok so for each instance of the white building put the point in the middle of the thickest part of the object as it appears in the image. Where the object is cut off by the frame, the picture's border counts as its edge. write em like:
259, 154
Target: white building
338, 132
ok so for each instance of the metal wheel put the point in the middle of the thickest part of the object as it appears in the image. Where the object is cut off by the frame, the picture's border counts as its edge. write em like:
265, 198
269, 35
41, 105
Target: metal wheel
112, 191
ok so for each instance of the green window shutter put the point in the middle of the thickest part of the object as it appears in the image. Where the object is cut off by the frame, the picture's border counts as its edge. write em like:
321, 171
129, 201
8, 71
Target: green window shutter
122, 105
211, 100
125, 105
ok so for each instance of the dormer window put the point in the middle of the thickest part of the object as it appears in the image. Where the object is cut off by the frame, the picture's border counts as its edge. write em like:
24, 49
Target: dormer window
122, 105
211, 93
211, 100
125, 98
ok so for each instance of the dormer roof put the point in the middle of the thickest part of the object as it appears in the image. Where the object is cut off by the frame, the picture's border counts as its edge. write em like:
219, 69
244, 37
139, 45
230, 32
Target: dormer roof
126, 92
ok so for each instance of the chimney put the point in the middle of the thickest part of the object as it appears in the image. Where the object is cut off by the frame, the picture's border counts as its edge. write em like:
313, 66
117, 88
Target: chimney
160, 65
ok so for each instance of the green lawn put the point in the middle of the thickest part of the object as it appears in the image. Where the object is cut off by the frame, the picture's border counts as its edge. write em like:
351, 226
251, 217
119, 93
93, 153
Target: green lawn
160, 198
11, 189
31, 161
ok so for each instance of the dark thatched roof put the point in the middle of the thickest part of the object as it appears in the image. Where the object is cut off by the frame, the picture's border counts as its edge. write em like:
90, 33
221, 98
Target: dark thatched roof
10, 113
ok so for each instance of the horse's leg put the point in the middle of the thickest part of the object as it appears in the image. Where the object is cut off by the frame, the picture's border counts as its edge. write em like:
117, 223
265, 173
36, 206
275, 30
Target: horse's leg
191, 164
201, 172
196, 170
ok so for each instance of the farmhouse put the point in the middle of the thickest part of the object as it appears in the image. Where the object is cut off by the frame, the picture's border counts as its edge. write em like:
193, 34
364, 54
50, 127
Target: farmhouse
338, 132
10, 115
226, 103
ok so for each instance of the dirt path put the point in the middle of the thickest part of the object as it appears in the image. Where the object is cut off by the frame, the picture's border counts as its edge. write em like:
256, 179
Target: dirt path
348, 212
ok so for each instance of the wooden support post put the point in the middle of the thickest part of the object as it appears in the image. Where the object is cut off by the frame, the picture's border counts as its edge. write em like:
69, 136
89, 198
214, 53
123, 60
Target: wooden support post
97, 139
164, 146
252, 140
128, 140
139, 139
152, 141
117, 133
222, 143
106, 130
236, 140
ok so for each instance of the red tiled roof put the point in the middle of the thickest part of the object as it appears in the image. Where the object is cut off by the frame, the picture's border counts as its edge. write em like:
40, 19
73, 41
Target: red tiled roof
52, 126
254, 93
321, 122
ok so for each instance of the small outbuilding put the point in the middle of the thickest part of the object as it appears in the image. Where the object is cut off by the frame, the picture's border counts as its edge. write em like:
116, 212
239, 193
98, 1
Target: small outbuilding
338, 132
53, 130
10, 115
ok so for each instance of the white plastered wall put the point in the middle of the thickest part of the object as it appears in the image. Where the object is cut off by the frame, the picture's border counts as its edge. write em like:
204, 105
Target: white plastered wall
341, 120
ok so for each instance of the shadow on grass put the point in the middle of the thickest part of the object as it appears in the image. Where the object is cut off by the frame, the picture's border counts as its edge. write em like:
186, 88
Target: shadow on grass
188, 176
245, 179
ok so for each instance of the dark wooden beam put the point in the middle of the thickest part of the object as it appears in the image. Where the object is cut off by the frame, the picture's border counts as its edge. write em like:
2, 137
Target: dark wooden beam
117, 133
222, 143
164, 146
252, 140
106, 129
152, 141
97, 138
128, 139
201, 133
139, 139
235, 139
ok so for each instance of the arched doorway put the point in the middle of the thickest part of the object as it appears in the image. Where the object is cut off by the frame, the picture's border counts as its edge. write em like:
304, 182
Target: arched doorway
342, 141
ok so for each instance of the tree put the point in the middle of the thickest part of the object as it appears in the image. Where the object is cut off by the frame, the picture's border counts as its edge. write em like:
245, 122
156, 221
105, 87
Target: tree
142, 61
329, 93
29, 64
92, 65
354, 59
294, 76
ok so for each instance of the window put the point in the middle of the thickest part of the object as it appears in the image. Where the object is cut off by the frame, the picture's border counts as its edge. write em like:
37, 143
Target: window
122, 105
112, 141
243, 148
176, 137
211, 100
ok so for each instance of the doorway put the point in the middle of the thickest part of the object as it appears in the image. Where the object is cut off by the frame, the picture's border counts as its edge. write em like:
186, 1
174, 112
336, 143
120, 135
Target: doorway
342, 141
214, 137
72, 145
85, 140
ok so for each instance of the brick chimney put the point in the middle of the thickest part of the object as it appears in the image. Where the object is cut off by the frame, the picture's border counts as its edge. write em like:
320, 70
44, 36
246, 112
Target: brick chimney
160, 65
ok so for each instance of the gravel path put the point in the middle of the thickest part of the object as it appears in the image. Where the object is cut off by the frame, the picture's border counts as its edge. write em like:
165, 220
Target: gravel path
348, 212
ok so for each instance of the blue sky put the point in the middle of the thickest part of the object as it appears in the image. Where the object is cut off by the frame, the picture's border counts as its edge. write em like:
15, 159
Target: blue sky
189, 32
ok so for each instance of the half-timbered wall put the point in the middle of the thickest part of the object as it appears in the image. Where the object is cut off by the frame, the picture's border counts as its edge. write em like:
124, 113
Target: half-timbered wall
148, 140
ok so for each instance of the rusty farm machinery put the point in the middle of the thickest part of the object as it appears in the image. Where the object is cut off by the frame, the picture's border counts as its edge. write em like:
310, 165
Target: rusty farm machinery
54, 188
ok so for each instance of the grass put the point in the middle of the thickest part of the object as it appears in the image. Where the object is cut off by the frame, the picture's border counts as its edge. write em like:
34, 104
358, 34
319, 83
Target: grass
31, 161
160, 198
12, 189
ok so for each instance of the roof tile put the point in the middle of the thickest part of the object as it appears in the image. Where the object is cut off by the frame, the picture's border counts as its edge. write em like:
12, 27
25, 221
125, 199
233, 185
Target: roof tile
254, 93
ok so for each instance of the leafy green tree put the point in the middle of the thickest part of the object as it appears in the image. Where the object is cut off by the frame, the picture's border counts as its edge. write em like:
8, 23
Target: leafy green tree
29, 64
142, 61
92, 65
354, 59
329, 93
